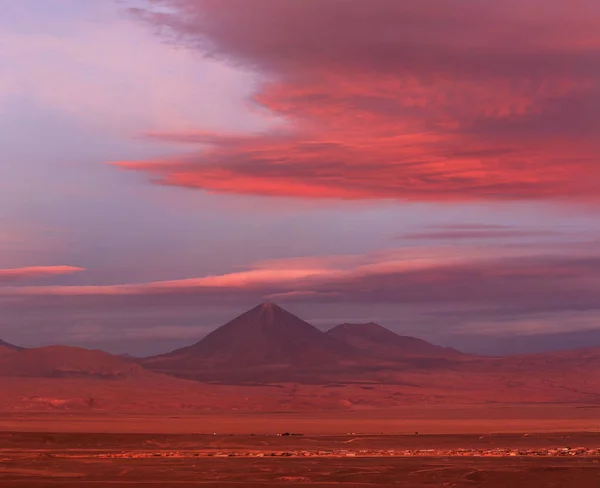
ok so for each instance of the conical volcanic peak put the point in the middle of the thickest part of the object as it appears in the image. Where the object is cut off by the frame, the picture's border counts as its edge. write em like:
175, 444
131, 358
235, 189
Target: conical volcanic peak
267, 313
379, 341
264, 335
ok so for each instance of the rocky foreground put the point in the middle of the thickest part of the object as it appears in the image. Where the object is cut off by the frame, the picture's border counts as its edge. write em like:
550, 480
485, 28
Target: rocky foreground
474, 452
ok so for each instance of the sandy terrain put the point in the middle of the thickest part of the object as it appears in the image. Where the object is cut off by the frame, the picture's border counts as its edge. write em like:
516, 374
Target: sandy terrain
80, 460
399, 420
74, 418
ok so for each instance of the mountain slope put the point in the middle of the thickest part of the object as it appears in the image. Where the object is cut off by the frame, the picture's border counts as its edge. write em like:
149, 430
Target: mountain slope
264, 344
63, 361
380, 342
265, 335
7, 345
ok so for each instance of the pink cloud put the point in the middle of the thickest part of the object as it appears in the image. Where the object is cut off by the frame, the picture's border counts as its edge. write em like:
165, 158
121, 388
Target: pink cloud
423, 100
35, 272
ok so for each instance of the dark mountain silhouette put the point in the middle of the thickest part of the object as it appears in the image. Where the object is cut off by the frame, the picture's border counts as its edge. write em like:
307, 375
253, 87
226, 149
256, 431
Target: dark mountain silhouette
380, 342
297, 367
266, 334
64, 361
265, 337
520, 344
6, 345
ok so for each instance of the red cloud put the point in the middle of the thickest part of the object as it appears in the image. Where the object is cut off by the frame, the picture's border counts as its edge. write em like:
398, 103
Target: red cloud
436, 99
35, 272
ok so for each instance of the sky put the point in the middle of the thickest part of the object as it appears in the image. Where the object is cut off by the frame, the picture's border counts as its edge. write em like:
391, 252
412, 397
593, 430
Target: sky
429, 165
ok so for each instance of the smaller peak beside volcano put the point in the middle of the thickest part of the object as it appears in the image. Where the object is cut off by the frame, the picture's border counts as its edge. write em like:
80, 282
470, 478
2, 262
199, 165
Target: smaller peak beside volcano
371, 328
381, 342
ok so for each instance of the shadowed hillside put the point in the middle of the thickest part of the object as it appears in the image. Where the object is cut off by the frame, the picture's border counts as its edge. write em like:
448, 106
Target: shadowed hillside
380, 342
6, 346
264, 344
269, 359
63, 361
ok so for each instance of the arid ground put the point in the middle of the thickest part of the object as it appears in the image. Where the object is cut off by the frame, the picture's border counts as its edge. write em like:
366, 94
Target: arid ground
269, 400
496, 446
425, 419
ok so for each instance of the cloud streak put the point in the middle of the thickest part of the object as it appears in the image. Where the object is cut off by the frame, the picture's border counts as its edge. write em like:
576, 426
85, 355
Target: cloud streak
466, 231
521, 280
35, 272
402, 100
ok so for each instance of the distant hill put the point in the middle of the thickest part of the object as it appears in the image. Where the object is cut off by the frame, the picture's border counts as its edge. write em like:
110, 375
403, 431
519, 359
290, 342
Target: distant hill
268, 344
268, 359
534, 343
63, 361
8, 346
380, 342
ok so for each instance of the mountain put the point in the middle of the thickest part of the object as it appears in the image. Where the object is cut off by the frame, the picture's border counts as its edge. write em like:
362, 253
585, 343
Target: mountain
382, 343
524, 343
265, 337
267, 359
71, 362
7, 346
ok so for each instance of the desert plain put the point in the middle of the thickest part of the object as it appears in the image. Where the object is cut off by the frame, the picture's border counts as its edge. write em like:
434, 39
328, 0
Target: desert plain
269, 400
460, 446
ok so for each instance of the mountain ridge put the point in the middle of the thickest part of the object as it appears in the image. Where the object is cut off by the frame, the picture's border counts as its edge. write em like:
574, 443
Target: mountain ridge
381, 342
264, 336
67, 362
10, 346
279, 361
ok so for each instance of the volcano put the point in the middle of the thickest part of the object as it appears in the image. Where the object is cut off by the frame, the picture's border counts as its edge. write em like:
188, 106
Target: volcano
265, 336
377, 341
